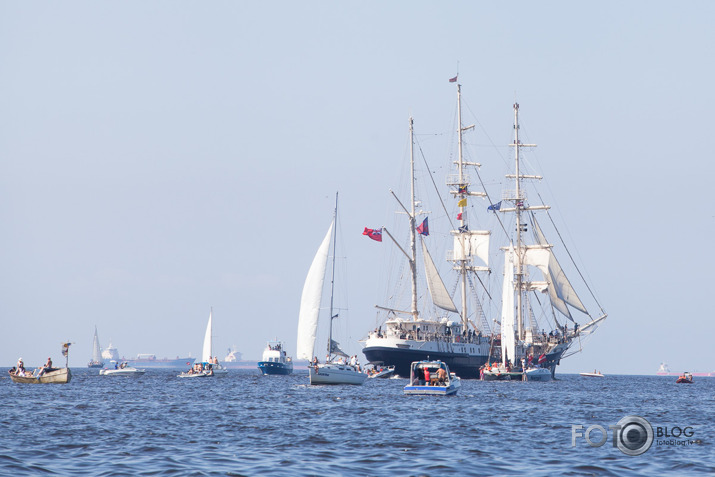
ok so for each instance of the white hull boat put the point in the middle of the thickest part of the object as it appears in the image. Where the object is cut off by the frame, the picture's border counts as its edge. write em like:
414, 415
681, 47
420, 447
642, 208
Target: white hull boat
128, 371
329, 372
592, 375
332, 373
537, 374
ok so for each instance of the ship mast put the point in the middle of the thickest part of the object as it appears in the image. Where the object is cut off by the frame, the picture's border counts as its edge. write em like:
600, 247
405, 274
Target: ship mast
332, 278
463, 256
519, 197
413, 233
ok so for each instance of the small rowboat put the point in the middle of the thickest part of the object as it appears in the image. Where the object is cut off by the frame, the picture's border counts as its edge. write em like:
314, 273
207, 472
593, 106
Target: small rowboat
57, 376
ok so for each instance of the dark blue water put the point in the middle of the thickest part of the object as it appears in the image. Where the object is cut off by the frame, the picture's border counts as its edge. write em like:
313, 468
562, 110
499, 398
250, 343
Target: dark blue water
247, 424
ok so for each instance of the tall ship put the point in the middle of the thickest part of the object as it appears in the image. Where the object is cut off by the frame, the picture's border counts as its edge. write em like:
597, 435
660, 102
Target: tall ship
413, 335
536, 297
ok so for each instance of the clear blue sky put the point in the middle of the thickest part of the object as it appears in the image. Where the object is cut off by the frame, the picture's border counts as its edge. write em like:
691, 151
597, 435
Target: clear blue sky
159, 158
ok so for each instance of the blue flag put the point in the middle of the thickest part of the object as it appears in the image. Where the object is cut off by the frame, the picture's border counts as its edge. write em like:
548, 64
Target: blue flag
496, 206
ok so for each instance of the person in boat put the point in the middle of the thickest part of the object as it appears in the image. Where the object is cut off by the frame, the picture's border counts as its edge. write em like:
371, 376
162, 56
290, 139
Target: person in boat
46, 368
215, 359
426, 370
315, 361
442, 376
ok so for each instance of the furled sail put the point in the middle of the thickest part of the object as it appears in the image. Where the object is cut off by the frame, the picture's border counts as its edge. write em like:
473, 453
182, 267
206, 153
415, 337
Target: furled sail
310, 300
559, 287
439, 293
206, 354
472, 243
508, 345
335, 349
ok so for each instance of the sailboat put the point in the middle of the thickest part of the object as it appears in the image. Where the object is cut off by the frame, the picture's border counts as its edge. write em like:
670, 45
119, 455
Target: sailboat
411, 335
207, 356
209, 365
335, 370
534, 289
96, 361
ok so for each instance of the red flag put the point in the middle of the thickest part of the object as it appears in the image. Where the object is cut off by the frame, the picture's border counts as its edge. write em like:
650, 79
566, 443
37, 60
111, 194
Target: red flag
542, 358
423, 228
453, 80
459, 216
375, 234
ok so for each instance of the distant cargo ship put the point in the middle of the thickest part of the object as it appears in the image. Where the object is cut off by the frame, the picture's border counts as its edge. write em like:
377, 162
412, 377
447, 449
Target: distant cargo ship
151, 361
664, 370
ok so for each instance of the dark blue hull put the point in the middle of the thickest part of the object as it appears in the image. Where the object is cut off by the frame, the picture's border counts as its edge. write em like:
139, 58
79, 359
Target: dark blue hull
268, 367
465, 366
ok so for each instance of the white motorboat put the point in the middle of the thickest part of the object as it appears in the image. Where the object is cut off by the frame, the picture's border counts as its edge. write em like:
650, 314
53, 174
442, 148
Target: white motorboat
199, 374
330, 372
121, 370
386, 372
595, 374
432, 378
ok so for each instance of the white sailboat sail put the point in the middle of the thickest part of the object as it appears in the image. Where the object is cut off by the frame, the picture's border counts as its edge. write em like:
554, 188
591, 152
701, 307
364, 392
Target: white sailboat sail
439, 293
560, 287
96, 352
508, 345
206, 354
310, 300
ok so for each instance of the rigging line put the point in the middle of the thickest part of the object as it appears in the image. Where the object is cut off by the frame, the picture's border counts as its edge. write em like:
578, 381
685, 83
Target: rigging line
429, 172
572, 260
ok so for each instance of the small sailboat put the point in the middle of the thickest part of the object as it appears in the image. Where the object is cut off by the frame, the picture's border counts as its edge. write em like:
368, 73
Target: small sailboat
275, 359
432, 378
96, 361
44, 375
207, 356
209, 365
334, 370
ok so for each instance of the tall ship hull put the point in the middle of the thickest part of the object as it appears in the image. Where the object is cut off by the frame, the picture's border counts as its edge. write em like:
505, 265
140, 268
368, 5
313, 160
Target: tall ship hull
164, 363
463, 358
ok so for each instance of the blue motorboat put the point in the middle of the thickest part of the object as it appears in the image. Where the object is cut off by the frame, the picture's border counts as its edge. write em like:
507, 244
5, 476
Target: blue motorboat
275, 360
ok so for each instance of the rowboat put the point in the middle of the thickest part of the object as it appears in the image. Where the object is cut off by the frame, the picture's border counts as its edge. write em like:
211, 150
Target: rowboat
58, 376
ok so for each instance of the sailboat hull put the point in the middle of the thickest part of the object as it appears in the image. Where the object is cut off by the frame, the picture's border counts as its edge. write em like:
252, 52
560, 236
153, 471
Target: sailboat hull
335, 374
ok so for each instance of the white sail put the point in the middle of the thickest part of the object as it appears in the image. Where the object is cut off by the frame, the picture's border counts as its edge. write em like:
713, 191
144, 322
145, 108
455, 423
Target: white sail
96, 352
508, 346
474, 243
561, 286
439, 293
310, 300
206, 354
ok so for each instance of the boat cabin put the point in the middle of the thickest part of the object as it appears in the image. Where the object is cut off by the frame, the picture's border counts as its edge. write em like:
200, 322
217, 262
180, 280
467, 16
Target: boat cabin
429, 373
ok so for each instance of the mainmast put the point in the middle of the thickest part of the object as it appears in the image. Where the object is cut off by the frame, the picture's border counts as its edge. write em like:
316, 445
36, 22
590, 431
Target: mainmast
463, 245
518, 198
332, 278
413, 233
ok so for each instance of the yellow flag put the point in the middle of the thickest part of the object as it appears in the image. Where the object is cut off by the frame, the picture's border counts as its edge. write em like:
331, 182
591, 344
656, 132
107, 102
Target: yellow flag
462, 203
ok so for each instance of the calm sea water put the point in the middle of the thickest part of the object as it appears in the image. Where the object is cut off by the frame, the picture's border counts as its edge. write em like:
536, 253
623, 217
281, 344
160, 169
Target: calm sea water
247, 424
